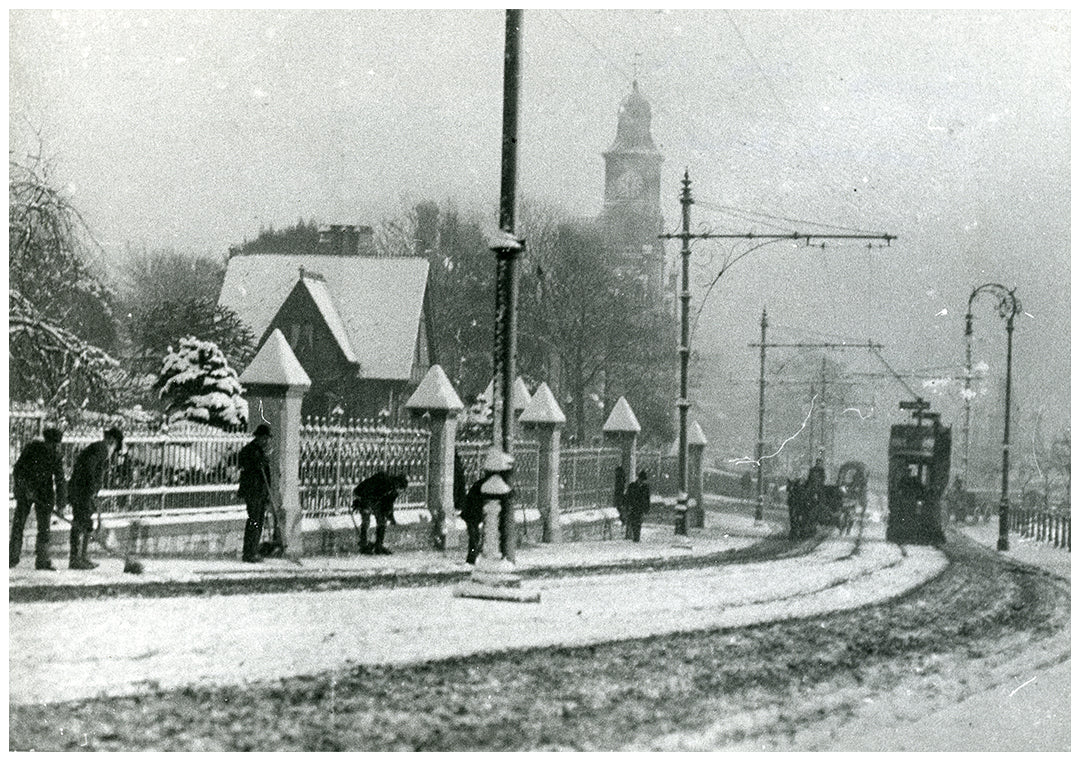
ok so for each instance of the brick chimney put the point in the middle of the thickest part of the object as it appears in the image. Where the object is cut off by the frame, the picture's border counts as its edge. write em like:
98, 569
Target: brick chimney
346, 240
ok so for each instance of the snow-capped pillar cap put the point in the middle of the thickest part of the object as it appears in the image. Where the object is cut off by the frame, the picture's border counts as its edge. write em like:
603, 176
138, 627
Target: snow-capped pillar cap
543, 409
520, 396
497, 461
495, 487
276, 365
695, 437
622, 419
435, 393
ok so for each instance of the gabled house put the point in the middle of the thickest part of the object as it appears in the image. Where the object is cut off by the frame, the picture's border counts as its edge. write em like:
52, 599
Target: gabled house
357, 324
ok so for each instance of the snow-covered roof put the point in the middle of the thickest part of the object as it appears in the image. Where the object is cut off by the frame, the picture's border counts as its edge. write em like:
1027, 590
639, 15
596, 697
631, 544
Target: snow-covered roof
378, 301
320, 294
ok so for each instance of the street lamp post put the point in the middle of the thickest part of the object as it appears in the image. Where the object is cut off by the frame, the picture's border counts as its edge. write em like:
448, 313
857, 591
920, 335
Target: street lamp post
1008, 308
507, 252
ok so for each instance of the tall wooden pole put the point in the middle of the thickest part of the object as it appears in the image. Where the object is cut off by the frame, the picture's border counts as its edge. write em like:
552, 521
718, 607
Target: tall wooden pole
759, 511
684, 358
506, 275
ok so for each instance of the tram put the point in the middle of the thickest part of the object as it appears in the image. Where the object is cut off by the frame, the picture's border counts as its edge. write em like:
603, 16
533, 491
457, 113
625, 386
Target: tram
919, 456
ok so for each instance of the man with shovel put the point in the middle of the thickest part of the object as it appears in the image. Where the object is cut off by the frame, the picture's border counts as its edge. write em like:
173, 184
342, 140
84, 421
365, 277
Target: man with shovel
87, 478
255, 490
38, 482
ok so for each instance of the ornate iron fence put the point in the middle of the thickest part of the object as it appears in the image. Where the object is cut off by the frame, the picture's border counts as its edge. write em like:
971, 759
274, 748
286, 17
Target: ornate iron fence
187, 467
587, 477
24, 425
526, 475
663, 471
336, 456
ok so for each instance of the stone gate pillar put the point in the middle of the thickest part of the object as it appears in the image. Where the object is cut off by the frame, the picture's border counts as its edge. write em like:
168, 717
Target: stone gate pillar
543, 414
436, 397
621, 430
274, 385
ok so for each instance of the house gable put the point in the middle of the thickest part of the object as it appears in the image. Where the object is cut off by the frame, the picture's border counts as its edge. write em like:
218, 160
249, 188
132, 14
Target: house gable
379, 300
302, 322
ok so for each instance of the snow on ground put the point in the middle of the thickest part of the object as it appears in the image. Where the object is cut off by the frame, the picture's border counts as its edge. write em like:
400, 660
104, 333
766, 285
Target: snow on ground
63, 651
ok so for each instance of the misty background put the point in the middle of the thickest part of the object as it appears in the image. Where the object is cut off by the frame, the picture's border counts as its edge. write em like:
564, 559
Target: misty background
191, 130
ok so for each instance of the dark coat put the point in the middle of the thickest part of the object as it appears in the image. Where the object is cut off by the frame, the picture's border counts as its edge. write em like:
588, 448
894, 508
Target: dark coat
460, 487
376, 494
620, 488
88, 474
40, 472
472, 511
637, 500
254, 473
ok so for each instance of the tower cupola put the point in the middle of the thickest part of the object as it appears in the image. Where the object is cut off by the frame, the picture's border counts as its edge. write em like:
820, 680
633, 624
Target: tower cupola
634, 130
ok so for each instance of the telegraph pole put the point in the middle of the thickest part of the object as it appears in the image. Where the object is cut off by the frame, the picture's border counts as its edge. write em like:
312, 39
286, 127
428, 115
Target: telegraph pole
494, 575
697, 518
506, 252
761, 393
824, 405
759, 511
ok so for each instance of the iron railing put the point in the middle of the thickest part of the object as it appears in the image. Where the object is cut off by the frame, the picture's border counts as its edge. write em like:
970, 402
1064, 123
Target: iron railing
1050, 526
336, 456
185, 468
587, 477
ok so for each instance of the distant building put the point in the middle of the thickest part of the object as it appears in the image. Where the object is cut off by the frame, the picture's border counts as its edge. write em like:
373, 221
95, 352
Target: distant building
356, 323
631, 218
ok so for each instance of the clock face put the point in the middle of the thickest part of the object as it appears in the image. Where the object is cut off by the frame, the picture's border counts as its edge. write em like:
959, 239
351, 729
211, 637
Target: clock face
629, 185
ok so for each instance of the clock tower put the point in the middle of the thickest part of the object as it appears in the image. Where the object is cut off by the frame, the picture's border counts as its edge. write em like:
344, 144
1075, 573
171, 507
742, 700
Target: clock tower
631, 216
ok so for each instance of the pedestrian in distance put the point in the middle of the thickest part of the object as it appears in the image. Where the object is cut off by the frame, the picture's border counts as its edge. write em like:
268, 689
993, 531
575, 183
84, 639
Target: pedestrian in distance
815, 487
254, 462
619, 498
637, 504
87, 478
38, 483
375, 495
472, 513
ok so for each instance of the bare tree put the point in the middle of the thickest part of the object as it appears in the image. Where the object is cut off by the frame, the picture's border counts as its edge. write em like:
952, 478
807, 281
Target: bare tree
60, 322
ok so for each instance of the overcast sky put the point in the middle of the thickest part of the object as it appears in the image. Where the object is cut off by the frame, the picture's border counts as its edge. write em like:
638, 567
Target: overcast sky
950, 130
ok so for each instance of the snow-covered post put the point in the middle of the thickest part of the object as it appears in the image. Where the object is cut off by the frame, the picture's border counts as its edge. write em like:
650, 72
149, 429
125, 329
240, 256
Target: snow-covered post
544, 414
436, 397
695, 446
276, 383
519, 398
622, 428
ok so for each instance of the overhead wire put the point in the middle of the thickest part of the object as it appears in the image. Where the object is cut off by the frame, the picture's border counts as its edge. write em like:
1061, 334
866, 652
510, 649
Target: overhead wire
706, 204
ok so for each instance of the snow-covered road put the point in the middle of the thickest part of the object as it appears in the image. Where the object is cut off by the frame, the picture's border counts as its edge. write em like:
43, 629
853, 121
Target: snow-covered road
68, 650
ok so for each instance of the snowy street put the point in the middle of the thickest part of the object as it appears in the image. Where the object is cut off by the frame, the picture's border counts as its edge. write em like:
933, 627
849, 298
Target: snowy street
130, 645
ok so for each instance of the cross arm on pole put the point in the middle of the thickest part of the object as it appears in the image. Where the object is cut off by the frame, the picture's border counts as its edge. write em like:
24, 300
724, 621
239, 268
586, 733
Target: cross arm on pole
781, 236
867, 345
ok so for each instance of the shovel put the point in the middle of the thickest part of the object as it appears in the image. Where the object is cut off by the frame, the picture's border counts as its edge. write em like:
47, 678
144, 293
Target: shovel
131, 565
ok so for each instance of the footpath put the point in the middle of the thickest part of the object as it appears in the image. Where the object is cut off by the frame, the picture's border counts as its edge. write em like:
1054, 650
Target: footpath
79, 648
728, 537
